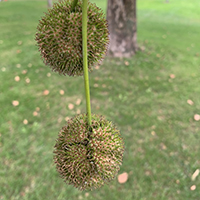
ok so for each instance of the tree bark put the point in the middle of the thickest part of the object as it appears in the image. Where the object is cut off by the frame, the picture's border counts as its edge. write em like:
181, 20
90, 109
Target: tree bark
121, 16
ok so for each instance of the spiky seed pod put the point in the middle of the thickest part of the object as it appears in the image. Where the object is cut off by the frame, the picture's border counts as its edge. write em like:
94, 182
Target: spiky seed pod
87, 157
59, 37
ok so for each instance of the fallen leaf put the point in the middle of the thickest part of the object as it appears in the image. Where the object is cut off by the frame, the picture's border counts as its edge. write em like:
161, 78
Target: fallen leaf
96, 85
153, 133
15, 103
158, 55
163, 146
18, 51
59, 119
142, 48
195, 174
122, 178
196, 117
190, 102
172, 76
97, 107
70, 106
193, 187
126, 63
37, 109
25, 121
78, 102
35, 113
67, 118
78, 111
80, 197
19, 42
24, 71
48, 74
28, 80
86, 194
29, 65
18, 65
46, 92
17, 78
62, 92
104, 85
148, 173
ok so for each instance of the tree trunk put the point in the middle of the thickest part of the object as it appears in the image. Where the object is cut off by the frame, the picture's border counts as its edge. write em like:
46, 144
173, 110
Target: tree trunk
49, 3
121, 16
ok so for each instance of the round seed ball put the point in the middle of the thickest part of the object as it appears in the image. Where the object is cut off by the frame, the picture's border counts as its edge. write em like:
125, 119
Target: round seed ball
59, 37
88, 156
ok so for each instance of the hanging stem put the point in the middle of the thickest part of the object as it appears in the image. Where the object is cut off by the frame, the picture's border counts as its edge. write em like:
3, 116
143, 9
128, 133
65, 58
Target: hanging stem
85, 60
73, 5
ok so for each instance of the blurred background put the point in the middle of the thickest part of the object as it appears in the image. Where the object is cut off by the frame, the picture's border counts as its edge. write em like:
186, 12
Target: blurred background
153, 97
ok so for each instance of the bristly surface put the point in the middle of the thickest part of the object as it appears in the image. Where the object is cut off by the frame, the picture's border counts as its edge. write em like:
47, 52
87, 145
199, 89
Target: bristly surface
59, 37
87, 157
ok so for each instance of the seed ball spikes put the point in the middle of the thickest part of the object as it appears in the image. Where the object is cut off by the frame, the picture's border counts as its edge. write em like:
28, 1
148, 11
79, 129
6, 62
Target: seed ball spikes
59, 37
87, 157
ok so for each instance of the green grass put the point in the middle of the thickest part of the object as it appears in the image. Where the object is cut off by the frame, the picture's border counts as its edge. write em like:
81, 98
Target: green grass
137, 94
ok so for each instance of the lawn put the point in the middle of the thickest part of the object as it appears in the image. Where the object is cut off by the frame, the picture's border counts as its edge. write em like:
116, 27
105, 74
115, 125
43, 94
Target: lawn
153, 98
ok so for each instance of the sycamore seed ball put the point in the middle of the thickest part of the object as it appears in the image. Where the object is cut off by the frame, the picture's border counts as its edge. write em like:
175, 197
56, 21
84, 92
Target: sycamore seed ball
87, 157
59, 37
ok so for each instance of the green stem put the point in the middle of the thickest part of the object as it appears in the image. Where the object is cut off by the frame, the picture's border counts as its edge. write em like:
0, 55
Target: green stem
73, 5
85, 60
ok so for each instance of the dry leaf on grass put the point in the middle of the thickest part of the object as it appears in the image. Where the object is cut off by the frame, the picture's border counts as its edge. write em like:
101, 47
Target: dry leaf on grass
15, 103
163, 146
3, 69
70, 106
122, 178
172, 76
193, 187
35, 113
78, 111
48, 74
17, 78
86, 194
25, 121
195, 174
29, 65
67, 118
62, 92
153, 133
24, 71
28, 80
46, 92
18, 65
78, 102
197, 117
19, 42
126, 63
190, 102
